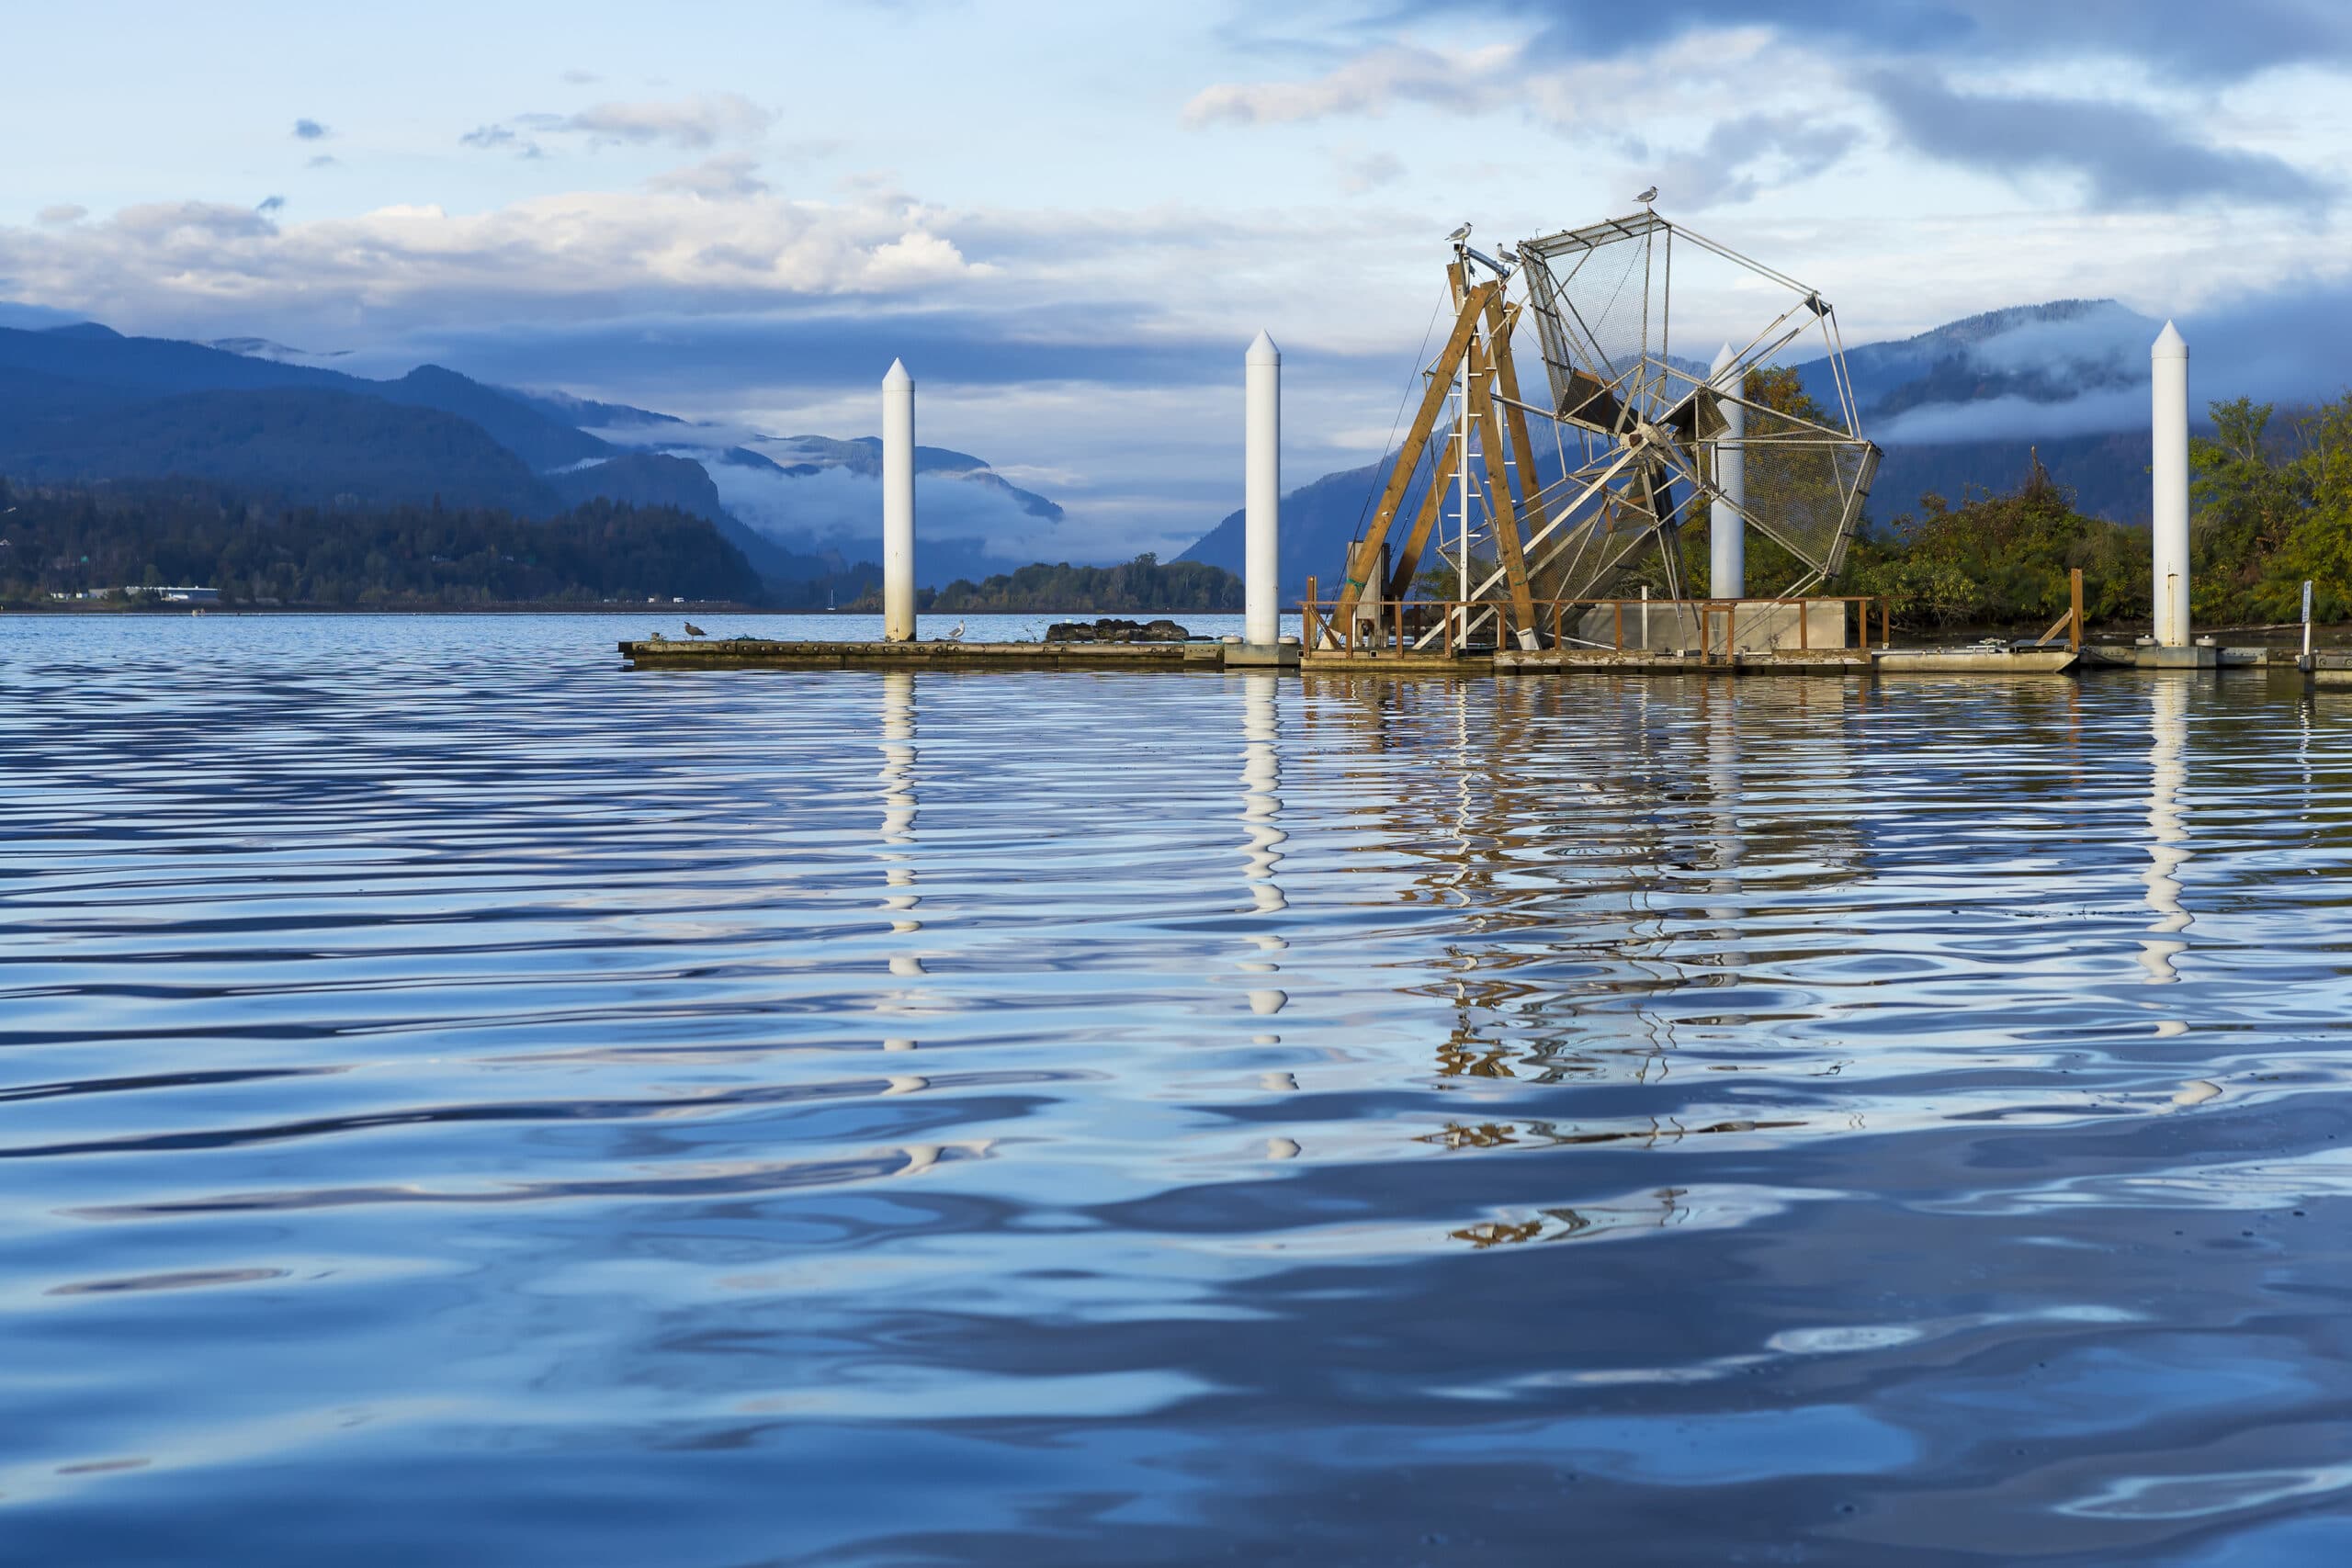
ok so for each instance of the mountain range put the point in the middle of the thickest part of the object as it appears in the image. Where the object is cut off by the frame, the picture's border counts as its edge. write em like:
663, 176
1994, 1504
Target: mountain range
81, 402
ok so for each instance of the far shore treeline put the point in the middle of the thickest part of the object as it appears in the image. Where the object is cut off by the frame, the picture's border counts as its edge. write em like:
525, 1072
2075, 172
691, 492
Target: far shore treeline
1144, 583
256, 552
2272, 496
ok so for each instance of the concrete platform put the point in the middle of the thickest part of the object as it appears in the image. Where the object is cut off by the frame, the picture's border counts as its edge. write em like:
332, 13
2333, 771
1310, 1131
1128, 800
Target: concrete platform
1261, 656
2188, 658
1976, 661
2327, 668
1783, 661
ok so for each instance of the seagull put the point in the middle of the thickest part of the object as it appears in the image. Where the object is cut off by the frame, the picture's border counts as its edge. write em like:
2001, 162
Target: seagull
956, 635
693, 630
1509, 256
1648, 197
1458, 236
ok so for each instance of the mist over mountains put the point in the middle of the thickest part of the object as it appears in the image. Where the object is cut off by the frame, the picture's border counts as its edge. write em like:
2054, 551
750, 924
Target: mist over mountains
1957, 408
80, 403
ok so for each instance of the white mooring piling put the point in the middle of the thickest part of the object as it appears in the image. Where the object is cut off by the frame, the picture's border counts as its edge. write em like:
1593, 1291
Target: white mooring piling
898, 505
2168, 527
1261, 495
1726, 532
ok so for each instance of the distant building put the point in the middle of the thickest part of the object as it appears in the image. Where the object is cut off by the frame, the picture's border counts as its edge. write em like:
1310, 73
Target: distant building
179, 595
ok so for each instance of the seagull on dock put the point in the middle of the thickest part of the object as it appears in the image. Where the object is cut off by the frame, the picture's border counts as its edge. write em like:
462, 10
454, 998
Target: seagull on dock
693, 630
1648, 197
957, 634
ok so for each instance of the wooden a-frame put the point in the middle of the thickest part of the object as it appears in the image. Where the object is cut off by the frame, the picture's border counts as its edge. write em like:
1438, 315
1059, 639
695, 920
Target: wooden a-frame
1479, 347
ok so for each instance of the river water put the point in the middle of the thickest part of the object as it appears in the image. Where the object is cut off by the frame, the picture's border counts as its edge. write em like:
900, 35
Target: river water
464, 1102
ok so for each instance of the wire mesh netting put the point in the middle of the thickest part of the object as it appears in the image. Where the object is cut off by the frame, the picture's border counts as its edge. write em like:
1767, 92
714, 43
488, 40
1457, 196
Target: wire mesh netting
1804, 486
1602, 301
1587, 496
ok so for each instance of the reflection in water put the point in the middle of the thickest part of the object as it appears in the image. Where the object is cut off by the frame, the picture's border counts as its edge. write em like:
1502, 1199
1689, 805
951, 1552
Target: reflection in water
2167, 838
899, 811
527, 1089
1720, 709
1261, 811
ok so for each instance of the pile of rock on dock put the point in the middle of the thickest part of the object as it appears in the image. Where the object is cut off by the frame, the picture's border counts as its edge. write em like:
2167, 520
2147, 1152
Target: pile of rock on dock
1111, 629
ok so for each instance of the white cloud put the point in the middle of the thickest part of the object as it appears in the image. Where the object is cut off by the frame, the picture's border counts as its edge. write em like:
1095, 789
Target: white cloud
1358, 171
729, 176
1372, 84
692, 123
205, 269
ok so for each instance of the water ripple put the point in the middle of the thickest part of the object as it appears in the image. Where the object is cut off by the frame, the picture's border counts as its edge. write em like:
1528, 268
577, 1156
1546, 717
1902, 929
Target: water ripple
760, 1116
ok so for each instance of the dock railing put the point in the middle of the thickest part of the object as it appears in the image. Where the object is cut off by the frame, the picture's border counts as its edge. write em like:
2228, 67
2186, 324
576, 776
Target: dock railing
1393, 628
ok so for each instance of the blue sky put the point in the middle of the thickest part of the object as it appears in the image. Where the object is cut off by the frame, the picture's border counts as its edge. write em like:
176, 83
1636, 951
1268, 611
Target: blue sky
1070, 219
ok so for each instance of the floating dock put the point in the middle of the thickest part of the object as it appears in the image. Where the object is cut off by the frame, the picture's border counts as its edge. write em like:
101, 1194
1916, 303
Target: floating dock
1200, 654
668, 653
1203, 656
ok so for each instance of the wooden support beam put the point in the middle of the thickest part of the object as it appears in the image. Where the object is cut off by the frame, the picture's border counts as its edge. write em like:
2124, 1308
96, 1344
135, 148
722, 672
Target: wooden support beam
1500, 320
1408, 559
1365, 559
1506, 515
2071, 623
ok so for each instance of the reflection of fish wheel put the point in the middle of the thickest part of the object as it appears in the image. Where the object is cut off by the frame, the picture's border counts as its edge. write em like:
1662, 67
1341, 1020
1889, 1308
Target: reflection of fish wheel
1641, 440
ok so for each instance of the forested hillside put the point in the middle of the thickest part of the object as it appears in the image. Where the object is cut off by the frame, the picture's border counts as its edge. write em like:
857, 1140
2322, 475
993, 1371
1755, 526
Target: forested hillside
71, 540
1142, 583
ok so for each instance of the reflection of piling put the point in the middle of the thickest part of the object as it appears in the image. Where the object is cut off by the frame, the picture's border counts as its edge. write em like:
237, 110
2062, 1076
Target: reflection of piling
1262, 495
2167, 770
1723, 774
898, 505
1260, 806
898, 809
2168, 452
1261, 779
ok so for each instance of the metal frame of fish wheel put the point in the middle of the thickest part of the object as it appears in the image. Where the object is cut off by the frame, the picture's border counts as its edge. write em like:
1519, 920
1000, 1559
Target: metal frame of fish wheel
1637, 433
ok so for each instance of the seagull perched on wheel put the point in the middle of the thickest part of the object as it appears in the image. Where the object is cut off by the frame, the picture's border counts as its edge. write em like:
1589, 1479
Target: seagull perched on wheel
1458, 236
956, 635
693, 630
1648, 197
